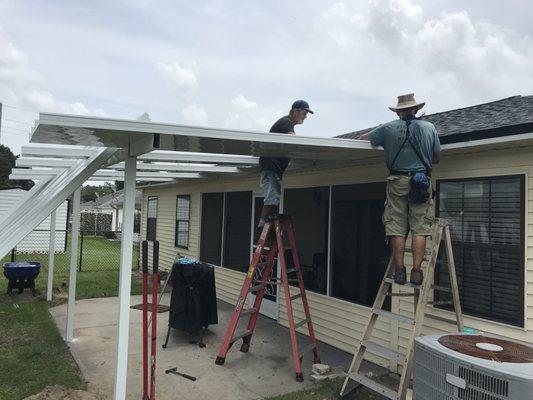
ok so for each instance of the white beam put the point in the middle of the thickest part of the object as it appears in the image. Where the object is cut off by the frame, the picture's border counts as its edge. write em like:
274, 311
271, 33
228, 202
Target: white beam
120, 174
45, 162
51, 256
56, 151
126, 253
99, 179
73, 264
143, 166
165, 155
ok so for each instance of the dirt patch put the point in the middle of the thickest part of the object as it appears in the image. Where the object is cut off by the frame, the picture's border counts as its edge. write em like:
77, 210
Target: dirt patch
61, 393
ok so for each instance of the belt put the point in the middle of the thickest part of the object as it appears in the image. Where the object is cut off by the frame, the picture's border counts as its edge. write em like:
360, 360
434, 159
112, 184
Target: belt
407, 173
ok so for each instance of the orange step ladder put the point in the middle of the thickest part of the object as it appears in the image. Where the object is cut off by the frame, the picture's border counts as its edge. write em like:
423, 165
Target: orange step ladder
278, 226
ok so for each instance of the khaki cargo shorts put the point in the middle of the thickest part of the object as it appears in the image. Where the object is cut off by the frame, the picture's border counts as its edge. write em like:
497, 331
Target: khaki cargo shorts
399, 216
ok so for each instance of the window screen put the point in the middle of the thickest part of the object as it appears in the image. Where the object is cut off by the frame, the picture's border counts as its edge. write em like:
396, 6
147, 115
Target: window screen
182, 221
487, 228
211, 231
359, 254
309, 209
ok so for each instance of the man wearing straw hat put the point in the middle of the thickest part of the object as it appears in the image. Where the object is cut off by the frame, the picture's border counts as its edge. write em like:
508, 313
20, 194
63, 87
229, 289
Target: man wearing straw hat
411, 147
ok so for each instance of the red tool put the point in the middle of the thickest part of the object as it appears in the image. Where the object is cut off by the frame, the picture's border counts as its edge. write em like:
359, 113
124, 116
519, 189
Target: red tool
145, 317
149, 388
275, 226
155, 281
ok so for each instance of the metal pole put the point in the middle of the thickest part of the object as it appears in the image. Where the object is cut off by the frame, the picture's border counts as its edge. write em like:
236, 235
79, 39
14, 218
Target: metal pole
81, 251
51, 256
126, 254
13, 254
73, 264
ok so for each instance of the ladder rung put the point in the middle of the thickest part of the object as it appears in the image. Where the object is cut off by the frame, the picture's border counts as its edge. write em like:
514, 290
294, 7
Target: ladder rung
441, 288
398, 317
263, 264
406, 284
296, 296
440, 303
248, 311
401, 294
301, 323
291, 270
376, 387
240, 336
399, 357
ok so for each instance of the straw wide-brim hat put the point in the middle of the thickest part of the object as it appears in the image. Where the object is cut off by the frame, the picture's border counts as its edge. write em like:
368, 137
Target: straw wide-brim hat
407, 101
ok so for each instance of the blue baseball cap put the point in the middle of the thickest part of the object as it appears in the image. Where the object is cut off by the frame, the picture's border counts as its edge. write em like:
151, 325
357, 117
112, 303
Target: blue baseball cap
303, 105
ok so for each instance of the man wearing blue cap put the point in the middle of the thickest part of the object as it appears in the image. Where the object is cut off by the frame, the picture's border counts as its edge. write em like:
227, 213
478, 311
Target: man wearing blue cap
272, 168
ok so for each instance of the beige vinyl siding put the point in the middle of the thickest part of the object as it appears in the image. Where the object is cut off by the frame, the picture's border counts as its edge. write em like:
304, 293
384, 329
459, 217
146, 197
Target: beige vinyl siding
338, 322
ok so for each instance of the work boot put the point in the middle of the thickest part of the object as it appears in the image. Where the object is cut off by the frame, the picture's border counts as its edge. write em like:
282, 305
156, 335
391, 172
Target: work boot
417, 276
400, 276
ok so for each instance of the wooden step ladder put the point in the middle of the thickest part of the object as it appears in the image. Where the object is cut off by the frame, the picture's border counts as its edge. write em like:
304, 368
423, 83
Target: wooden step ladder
421, 293
276, 227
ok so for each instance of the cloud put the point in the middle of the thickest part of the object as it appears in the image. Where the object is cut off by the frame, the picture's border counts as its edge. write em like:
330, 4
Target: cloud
246, 114
181, 78
45, 101
195, 114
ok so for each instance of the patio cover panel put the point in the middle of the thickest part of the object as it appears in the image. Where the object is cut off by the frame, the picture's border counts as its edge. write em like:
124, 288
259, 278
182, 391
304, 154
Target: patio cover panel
91, 131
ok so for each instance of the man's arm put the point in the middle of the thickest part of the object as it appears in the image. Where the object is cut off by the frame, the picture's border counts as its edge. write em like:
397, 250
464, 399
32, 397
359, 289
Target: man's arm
436, 147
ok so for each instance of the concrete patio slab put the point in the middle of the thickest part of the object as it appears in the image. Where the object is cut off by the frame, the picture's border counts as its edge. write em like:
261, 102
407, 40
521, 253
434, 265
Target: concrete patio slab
267, 370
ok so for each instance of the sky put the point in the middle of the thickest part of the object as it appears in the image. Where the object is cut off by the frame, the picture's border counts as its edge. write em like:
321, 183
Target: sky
241, 64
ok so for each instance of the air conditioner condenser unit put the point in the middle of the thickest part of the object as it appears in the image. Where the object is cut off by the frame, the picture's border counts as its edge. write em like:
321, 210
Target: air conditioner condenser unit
471, 367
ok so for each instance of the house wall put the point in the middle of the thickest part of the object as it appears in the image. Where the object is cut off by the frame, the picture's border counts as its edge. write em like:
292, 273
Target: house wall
338, 322
38, 239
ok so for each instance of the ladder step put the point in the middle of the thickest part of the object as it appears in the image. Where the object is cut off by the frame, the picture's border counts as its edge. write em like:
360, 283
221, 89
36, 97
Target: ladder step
240, 336
385, 351
401, 294
398, 317
247, 311
441, 303
376, 387
296, 296
406, 284
441, 288
301, 323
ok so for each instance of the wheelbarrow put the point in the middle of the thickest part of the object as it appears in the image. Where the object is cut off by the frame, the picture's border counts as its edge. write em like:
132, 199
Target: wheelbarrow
21, 275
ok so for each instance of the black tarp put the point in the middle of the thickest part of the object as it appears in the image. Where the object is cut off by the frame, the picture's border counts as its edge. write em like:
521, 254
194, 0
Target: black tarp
193, 302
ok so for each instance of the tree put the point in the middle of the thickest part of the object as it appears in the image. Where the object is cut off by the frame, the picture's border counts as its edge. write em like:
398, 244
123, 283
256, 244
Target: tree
91, 193
7, 162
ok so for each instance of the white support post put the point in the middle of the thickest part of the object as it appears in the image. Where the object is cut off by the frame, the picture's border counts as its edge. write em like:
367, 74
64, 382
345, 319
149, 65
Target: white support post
126, 256
73, 264
51, 256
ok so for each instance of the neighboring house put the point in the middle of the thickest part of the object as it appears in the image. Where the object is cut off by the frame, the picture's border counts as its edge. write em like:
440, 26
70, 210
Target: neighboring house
110, 208
487, 193
38, 240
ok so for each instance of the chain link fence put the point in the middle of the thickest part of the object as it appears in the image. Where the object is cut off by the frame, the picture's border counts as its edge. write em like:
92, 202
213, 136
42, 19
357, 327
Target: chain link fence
97, 250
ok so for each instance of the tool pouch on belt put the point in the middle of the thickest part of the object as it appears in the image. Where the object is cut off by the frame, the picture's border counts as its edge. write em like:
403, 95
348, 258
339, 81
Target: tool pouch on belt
419, 184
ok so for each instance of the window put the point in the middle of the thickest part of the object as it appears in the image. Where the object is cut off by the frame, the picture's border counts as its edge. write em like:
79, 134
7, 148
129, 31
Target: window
151, 222
183, 204
487, 228
237, 230
211, 236
359, 254
309, 210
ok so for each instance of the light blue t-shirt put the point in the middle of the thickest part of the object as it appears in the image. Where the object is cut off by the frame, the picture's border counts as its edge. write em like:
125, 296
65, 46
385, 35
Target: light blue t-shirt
391, 136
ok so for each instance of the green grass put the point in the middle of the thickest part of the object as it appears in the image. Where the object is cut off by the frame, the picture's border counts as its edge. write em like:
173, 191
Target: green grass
32, 353
99, 275
327, 391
